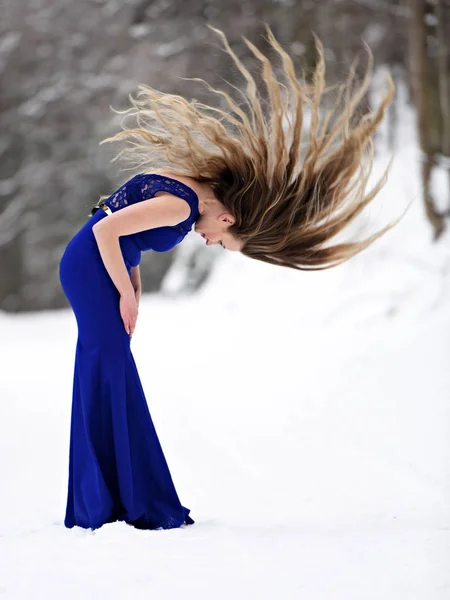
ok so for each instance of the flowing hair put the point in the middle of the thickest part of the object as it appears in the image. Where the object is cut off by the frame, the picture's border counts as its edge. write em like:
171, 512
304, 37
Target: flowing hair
289, 196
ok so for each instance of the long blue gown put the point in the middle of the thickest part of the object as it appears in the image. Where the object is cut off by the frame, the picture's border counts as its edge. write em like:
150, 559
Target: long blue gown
117, 469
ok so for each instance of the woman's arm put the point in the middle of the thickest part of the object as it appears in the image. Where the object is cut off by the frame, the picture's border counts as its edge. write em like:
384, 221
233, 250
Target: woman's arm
136, 278
111, 253
167, 209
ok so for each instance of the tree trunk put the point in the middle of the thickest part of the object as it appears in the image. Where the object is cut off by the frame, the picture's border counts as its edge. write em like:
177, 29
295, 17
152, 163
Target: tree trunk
444, 89
420, 66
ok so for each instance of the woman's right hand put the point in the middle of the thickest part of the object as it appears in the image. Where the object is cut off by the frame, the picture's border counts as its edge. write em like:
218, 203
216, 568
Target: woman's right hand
129, 311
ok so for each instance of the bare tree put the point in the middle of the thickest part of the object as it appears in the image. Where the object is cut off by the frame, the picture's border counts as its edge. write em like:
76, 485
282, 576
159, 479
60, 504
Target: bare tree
425, 92
443, 73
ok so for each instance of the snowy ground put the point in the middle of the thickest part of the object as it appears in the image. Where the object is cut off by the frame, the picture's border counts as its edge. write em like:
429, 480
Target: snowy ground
305, 418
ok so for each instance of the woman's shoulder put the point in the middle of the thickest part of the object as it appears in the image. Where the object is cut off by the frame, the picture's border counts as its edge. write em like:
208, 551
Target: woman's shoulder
199, 188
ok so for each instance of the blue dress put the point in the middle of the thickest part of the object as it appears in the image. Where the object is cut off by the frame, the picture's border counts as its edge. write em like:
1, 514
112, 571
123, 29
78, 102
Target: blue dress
117, 469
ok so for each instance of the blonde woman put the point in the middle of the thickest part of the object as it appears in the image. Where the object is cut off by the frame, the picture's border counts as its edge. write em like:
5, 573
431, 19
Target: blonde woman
245, 179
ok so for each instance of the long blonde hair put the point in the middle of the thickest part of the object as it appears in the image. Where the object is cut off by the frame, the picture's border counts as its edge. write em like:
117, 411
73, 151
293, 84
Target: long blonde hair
288, 197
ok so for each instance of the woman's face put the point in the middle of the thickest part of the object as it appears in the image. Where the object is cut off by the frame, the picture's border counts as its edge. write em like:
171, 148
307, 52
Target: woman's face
213, 225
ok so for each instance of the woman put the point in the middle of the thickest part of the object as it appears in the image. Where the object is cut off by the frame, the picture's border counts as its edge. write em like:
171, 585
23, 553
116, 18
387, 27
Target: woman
242, 181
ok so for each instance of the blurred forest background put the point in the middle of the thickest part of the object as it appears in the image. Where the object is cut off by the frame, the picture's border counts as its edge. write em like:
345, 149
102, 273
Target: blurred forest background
63, 63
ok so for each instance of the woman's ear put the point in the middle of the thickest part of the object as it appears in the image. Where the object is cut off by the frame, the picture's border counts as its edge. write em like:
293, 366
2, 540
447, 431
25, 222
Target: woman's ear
229, 218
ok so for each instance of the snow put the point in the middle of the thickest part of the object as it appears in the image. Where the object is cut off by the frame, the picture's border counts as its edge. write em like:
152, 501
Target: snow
305, 418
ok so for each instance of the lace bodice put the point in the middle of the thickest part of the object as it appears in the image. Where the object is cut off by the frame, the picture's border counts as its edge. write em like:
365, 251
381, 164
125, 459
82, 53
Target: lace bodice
143, 187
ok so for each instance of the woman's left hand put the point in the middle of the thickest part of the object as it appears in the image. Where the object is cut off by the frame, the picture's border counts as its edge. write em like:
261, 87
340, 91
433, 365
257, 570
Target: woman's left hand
137, 295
